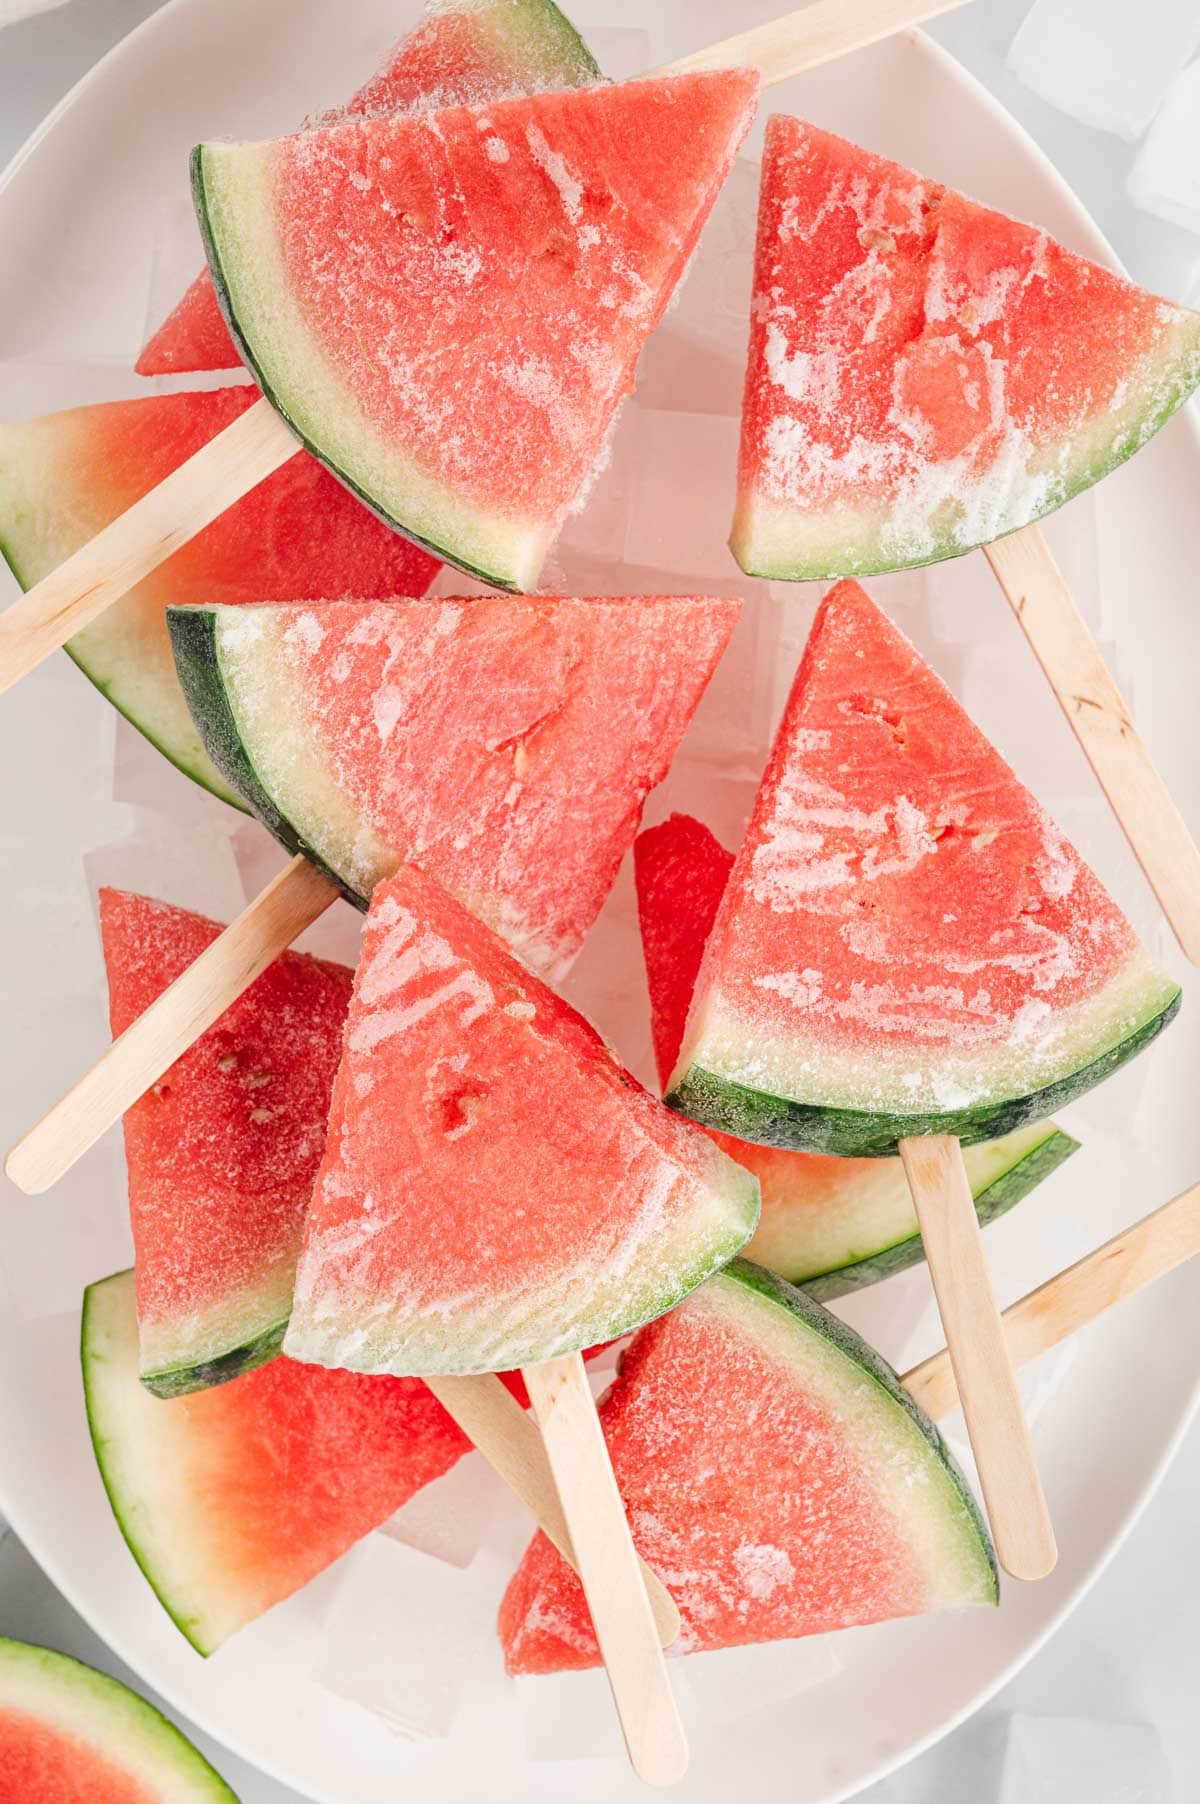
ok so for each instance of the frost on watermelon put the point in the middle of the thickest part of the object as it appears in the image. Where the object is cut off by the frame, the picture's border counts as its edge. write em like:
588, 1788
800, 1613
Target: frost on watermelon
72, 1735
462, 53
505, 744
906, 944
830, 1224
232, 1499
778, 1476
296, 536
223, 1150
924, 374
496, 1190
448, 307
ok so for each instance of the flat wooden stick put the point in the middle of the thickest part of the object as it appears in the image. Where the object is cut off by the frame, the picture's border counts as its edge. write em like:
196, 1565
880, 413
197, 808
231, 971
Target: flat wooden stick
137, 541
814, 34
607, 1564
1063, 645
1008, 1474
490, 1416
1120, 1268
290, 903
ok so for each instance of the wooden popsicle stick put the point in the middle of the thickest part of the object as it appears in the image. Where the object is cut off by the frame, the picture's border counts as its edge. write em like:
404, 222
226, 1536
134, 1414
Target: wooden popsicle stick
1063, 645
607, 1564
812, 35
244, 454
490, 1416
291, 902
999, 1434
1062, 1305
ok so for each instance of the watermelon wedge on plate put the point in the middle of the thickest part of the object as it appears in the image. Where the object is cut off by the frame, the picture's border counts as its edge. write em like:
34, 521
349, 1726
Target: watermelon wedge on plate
506, 743
925, 374
71, 1735
776, 1473
906, 943
496, 1191
232, 1499
830, 1225
296, 536
504, 264
223, 1150
462, 53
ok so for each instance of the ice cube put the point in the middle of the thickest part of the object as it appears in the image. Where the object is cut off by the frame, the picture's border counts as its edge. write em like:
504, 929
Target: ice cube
143, 778
568, 1716
196, 869
736, 1683
1051, 1758
1104, 62
685, 470
449, 1519
1165, 178
714, 300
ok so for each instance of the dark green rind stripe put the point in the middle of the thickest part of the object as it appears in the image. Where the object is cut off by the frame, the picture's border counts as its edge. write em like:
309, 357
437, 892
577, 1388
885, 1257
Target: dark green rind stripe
246, 352
716, 1102
91, 1359
818, 1320
1001, 1195
181, 1381
194, 643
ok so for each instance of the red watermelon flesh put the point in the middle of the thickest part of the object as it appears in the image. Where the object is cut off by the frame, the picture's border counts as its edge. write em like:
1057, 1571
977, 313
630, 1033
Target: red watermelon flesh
223, 1150
504, 264
775, 1475
506, 744
680, 870
459, 55
496, 1191
926, 374
298, 535
907, 943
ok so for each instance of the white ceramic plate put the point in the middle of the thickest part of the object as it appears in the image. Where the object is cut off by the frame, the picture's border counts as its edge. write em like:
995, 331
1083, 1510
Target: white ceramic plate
96, 232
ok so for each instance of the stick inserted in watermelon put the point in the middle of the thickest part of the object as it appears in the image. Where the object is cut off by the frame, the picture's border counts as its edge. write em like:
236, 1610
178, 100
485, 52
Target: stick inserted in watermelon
68, 1732
830, 1225
297, 536
461, 54
773, 1461
926, 375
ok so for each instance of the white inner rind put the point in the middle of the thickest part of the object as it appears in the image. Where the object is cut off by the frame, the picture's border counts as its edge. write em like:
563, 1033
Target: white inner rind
909, 1078
239, 196
196, 1337
911, 1485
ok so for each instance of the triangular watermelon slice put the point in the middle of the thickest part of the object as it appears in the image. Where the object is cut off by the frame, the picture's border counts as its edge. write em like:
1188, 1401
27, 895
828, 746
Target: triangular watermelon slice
907, 944
296, 536
462, 53
505, 743
223, 1150
926, 375
447, 307
72, 1735
777, 1475
832, 1225
496, 1190
234, 1498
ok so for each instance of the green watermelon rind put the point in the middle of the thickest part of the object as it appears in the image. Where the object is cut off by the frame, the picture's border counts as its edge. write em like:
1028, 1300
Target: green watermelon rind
121, 1726
998, 1196
816, 1319
203, 1374
748, 1114
574, 66
223, 289
193, 633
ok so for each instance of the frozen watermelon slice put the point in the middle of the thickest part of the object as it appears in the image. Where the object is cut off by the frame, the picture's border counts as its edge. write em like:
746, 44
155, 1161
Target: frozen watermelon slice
463, 52
926, 375
72, 1735
832, 1225
496, 1190
232, 1499
297, 536
447, 307
907, 944
223, 1150
776, 1473
504, 743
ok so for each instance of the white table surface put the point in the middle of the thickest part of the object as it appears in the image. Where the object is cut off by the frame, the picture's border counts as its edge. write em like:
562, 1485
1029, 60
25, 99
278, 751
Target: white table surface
1129, 1654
